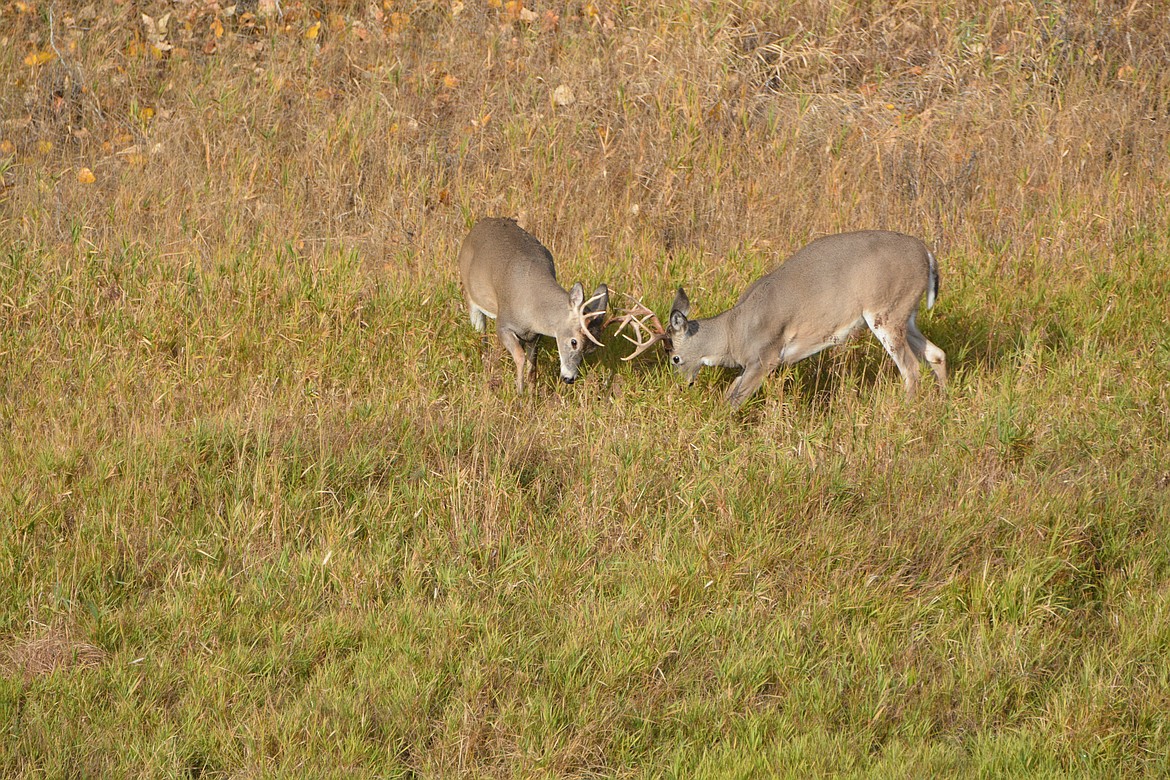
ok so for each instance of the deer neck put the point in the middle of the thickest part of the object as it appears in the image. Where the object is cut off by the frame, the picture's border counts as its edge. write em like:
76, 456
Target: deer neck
550, 307
715, 335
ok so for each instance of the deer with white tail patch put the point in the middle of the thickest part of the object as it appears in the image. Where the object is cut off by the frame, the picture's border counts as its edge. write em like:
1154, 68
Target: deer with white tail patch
509, 276
818, 298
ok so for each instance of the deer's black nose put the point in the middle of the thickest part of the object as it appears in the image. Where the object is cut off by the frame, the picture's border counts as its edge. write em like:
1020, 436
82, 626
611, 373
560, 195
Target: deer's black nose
568, 380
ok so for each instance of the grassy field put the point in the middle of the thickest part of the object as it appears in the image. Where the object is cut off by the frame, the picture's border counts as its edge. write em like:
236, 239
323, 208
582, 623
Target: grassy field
270, 507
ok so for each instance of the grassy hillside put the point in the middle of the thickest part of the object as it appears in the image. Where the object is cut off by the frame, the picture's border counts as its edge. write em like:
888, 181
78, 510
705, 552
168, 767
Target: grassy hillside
270, 507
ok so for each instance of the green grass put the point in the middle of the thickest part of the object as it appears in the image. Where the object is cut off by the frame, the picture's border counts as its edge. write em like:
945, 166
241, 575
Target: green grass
270, 506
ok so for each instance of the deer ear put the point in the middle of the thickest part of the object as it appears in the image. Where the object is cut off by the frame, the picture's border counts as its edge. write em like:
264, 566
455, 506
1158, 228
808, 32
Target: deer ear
678, 322
602, 296
681, 304
577, 296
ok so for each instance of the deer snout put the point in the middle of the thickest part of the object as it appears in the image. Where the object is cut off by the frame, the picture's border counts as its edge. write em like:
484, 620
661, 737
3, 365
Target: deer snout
568, 380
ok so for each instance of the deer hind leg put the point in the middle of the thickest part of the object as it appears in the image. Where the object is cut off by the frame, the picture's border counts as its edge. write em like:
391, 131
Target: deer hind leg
927, 352
530, 356
512, 343
895, 339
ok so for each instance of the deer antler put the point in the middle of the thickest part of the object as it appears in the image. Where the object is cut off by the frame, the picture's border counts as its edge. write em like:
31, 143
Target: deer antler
643, 322
587, 317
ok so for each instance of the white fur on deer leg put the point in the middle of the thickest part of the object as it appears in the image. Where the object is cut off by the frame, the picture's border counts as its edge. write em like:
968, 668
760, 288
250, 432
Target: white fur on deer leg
816, 299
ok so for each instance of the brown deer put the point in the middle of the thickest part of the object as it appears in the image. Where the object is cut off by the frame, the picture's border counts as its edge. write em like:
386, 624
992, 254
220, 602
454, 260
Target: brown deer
818, 298
509, 276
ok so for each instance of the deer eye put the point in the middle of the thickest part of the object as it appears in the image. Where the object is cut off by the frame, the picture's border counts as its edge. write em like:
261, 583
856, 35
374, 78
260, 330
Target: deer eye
675, 359
573, 343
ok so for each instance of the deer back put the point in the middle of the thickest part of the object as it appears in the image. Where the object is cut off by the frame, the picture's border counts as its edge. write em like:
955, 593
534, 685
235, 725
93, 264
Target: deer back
825, 289
510, 274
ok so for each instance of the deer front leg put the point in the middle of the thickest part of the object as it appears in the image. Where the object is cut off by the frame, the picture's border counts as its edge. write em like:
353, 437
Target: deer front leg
512, 343
746, 384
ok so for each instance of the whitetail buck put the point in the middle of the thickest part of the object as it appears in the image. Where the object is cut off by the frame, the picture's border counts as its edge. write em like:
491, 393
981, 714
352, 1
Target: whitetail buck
509, 276
819, 297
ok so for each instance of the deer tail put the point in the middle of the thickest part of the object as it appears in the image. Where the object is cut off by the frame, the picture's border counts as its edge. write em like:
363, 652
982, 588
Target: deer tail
931, 280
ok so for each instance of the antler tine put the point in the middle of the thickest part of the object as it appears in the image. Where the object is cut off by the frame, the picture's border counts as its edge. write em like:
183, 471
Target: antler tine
645, 345
643, 322
637, 322
586, 317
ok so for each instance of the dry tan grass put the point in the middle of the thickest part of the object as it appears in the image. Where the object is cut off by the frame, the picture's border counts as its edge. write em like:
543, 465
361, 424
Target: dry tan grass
52, 652
745, 128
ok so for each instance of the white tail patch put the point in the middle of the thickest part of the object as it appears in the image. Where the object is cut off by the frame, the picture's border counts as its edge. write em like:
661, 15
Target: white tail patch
931, 280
